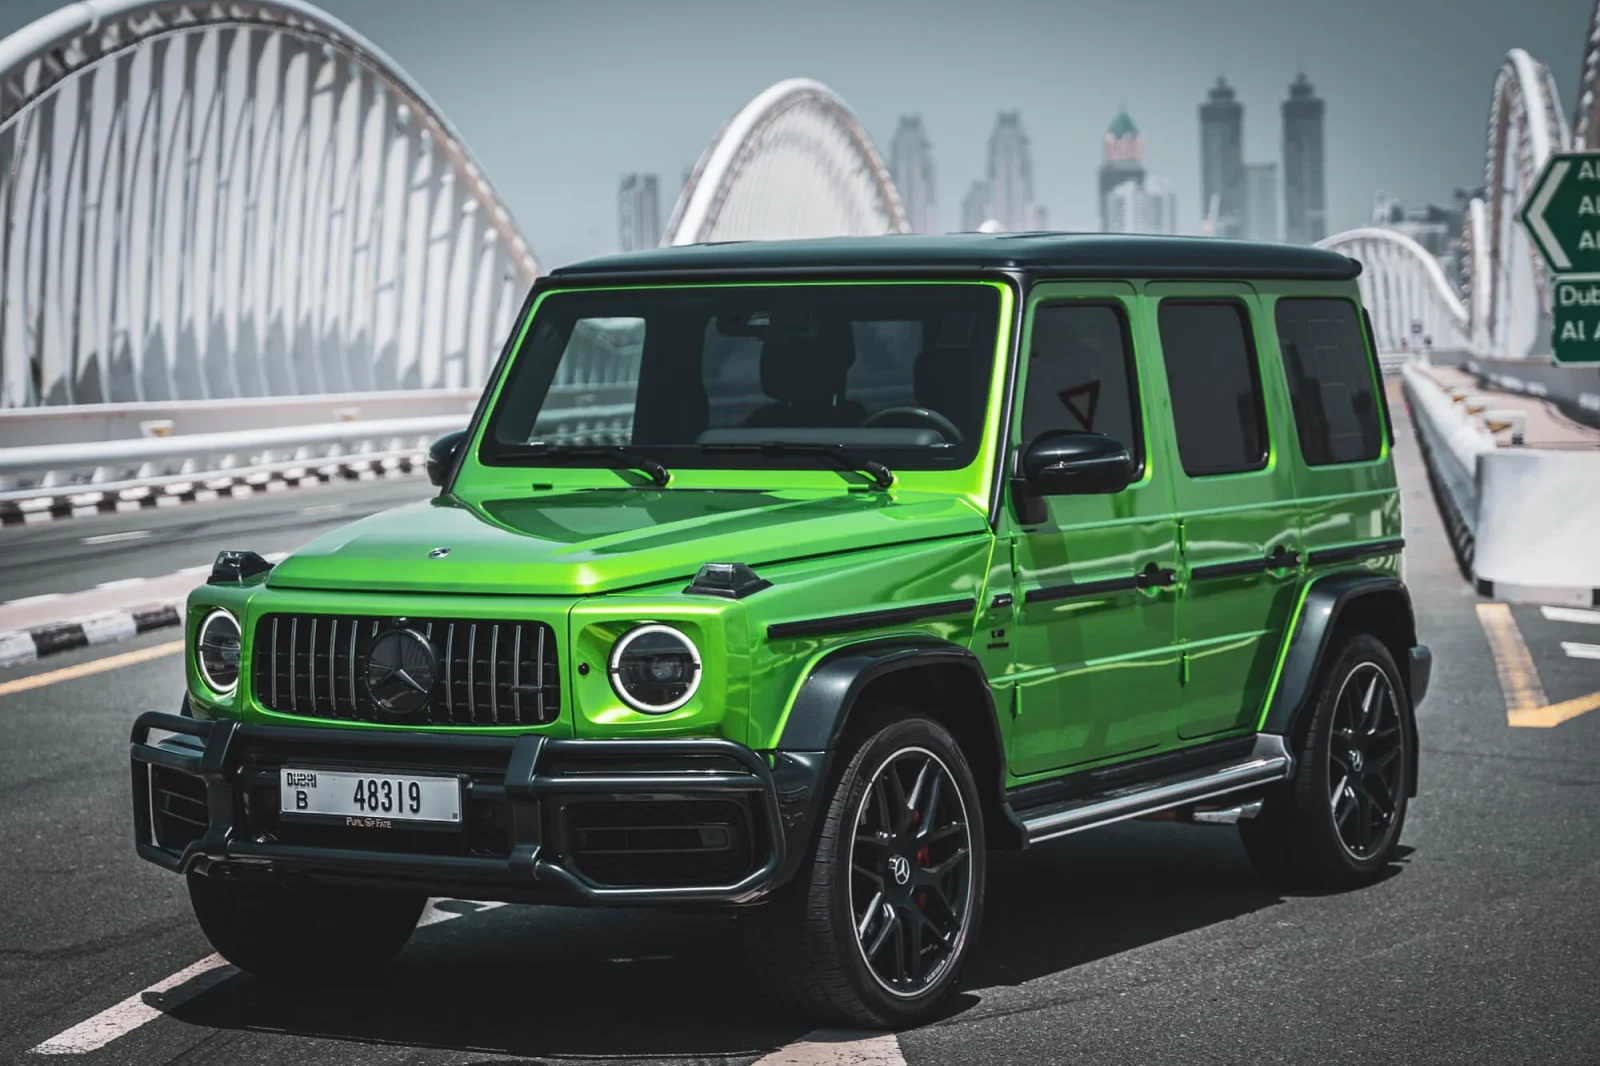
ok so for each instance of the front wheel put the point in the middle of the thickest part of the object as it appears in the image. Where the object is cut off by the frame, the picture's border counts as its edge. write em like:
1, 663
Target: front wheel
1336, 824
874, 928
310, 933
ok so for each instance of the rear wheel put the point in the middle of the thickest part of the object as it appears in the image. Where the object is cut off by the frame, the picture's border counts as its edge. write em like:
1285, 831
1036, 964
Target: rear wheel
874, 928
312, 933
1336, 824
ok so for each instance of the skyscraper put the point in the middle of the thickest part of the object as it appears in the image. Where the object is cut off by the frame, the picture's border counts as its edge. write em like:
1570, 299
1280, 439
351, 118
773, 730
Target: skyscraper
1135, 208
1010, 173
1222, 188
1305, 214
1261, 201
911, 163
975, 207
1123, 162
638, 212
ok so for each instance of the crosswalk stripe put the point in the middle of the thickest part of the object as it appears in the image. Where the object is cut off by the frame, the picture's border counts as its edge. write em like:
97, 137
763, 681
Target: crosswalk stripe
1581, 651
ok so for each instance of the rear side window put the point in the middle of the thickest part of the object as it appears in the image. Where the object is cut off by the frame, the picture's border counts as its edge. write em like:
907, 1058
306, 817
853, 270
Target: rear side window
1080, 375
1330, 381
1215, 385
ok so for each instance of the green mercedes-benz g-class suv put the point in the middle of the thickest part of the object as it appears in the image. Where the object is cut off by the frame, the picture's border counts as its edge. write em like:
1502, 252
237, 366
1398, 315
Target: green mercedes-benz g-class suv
797, 577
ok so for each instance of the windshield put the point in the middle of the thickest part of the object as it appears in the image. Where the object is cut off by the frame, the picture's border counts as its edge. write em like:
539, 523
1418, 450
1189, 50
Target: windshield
725, 376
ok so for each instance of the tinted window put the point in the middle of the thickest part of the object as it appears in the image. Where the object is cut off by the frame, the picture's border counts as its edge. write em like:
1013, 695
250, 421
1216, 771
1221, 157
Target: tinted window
1080, 375
1216, 389
711, 376
1330, 381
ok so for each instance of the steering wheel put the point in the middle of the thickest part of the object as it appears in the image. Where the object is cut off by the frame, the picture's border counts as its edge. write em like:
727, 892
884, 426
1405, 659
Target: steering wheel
898, 417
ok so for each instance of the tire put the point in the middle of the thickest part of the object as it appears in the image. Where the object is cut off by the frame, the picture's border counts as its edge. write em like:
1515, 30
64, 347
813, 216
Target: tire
924, 872
311, 933
1336, 823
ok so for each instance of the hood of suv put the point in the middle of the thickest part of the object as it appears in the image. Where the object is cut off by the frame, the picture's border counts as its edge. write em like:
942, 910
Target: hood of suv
576, 543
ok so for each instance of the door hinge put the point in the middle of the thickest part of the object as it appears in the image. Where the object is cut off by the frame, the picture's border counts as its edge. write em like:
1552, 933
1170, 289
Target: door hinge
1183, 668
1183, 540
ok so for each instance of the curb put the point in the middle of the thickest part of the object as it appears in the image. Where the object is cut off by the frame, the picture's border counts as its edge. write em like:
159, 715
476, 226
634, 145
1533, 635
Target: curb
80, 501
20, 646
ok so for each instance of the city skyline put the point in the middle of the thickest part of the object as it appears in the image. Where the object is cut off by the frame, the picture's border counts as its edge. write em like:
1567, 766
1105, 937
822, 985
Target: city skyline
504, 73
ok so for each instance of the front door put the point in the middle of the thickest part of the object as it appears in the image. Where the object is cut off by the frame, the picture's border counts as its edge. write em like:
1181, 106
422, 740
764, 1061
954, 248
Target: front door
1235, 494
1094, 621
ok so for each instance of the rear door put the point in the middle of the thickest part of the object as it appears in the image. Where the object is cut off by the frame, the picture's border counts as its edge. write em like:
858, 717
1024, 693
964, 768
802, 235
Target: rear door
1235, 499
1339, 445
1095, 668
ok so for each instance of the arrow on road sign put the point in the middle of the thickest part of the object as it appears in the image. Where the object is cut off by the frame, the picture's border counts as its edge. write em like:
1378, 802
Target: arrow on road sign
1562, 214
1534, 216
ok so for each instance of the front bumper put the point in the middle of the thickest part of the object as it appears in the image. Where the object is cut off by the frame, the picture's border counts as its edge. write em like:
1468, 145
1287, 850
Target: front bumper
545, 819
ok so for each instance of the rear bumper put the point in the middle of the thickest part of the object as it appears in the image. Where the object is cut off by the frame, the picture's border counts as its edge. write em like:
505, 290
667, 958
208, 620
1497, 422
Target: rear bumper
586, 821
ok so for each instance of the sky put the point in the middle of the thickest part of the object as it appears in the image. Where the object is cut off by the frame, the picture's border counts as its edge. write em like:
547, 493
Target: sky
559, 99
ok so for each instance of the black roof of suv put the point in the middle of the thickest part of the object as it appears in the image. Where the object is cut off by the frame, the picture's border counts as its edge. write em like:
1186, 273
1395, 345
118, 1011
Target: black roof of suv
1043, 254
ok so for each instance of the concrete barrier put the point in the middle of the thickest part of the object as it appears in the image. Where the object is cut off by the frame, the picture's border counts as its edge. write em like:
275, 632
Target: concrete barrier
1525, 522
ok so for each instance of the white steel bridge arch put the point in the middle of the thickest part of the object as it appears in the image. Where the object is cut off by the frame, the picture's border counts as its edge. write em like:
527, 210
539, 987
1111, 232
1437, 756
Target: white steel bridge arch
1402, 284
1504, 309
793, 162
214, 200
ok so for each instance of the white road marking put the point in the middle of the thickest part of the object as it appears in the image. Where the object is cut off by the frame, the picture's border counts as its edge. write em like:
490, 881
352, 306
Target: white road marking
122, 583
1571, 614
42, 598
136, 1011
133, 1012
114, 538
838, 1047
435, 914
1581, 651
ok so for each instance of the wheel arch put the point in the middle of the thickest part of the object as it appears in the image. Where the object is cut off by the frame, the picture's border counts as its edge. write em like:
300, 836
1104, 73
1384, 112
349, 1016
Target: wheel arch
942, 679
1334, 604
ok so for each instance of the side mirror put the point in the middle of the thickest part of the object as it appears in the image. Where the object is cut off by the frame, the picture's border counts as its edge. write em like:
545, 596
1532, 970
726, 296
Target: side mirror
442, 455
1060, 463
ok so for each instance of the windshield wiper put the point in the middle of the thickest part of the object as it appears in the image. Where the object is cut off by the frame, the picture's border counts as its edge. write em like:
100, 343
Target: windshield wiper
837, 456
624, 458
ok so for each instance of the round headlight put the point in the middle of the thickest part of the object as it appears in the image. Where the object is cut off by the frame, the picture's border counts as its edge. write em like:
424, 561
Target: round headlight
216, 651
655, 669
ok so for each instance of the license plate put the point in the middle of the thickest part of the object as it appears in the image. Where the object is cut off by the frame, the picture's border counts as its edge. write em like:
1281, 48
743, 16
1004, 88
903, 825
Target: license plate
373, 800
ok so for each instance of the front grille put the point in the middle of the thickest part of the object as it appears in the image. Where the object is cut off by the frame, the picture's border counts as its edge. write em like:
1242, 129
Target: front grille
487, 673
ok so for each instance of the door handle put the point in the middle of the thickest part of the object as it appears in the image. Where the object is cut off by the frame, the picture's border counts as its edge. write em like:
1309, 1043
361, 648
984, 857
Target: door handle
1282, 558
1154, 576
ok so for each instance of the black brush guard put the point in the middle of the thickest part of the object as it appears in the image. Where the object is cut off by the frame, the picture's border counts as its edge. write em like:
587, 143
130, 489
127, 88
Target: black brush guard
537, 778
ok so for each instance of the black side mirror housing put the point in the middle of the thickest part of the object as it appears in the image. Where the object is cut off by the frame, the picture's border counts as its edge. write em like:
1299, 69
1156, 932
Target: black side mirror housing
1062, 463
442, 455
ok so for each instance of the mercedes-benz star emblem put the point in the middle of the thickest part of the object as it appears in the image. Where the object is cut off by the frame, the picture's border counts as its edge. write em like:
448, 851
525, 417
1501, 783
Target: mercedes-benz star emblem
438, 553
400, 671
900, 868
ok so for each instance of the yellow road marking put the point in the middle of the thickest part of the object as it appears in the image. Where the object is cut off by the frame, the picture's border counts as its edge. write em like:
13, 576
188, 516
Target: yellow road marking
1519, 677
94, 666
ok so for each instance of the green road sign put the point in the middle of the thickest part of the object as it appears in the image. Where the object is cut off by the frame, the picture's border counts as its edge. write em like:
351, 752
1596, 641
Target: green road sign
1562, 214
1577, 320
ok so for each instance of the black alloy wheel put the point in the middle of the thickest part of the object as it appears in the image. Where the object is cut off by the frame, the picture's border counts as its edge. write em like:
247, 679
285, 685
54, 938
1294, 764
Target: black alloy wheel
873, 929
1365, 760
910, 871
1337, 822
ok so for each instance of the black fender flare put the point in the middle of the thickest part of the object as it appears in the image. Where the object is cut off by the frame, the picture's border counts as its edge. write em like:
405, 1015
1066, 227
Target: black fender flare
825, 699
1330, 600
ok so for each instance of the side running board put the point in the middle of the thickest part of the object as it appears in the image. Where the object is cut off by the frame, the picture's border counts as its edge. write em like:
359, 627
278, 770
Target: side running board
1267, 762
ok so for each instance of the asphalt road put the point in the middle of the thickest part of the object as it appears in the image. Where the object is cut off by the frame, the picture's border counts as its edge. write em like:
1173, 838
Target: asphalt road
1143, 943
